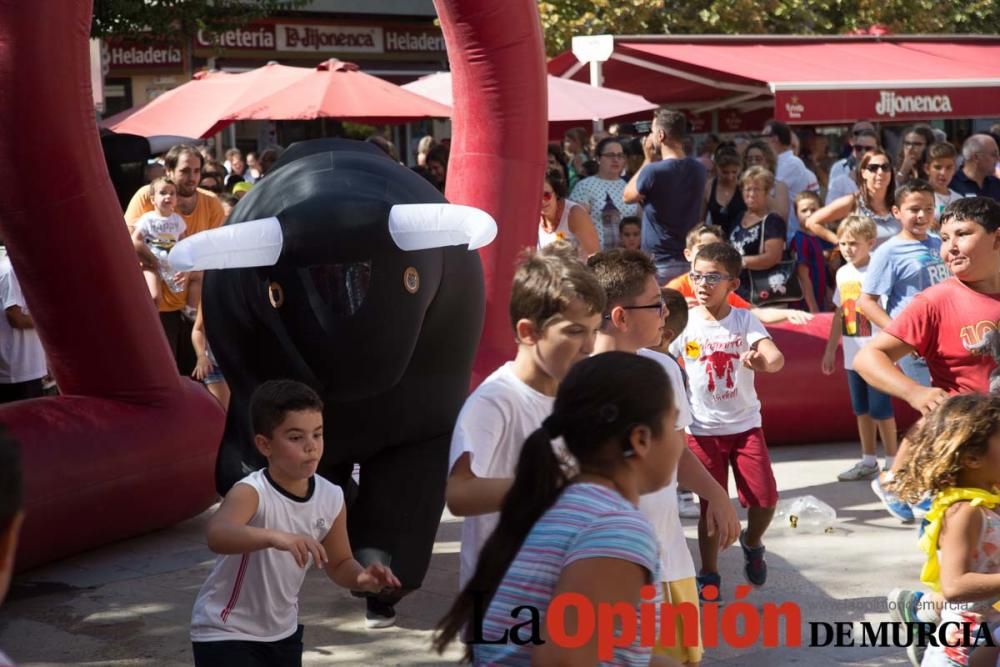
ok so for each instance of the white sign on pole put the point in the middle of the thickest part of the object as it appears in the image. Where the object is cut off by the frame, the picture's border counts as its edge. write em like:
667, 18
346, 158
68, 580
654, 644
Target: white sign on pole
593, 48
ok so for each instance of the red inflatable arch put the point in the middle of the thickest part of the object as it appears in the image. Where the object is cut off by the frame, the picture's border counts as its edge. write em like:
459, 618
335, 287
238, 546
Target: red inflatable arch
130, 446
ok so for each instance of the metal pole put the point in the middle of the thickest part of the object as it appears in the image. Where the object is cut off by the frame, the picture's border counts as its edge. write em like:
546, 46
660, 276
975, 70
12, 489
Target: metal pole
597, 80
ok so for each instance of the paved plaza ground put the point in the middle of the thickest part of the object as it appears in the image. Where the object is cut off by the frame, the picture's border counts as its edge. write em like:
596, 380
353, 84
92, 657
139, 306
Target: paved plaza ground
129, 604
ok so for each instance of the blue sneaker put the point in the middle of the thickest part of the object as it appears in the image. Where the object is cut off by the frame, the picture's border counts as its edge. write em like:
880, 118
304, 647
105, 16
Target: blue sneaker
921, 509
754, 567
709, 579
892, 503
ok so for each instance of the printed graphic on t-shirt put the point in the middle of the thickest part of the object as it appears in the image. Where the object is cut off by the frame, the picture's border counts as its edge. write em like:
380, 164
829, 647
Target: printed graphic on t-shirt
720, 361
853, 323
979, 338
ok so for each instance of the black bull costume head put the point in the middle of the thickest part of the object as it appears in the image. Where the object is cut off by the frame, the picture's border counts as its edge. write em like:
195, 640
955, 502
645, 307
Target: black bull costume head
346, 271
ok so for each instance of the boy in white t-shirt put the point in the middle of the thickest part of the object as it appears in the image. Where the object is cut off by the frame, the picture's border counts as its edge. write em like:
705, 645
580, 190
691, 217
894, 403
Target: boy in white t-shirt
270, 527
555, 310
160, 229
873, 408
722, 347
942, 162
634, 320
22, 359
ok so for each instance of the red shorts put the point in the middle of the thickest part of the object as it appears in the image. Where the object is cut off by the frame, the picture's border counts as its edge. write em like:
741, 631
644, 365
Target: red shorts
747, 452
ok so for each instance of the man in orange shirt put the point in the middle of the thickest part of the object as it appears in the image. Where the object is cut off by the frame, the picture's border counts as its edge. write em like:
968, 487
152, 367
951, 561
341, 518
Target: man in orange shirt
705, 234
201, 210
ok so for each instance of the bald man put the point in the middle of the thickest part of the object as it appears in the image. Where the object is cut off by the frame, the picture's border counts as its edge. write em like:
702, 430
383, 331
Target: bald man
975, 178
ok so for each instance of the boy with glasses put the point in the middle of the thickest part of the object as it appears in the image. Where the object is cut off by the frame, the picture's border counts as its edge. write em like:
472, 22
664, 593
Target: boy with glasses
722, 348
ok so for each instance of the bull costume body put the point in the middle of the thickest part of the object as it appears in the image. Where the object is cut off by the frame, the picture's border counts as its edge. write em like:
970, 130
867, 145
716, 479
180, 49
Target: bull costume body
350, 273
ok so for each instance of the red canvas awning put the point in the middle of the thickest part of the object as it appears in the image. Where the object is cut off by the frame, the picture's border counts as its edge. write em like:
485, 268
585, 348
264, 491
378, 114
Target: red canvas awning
808, 79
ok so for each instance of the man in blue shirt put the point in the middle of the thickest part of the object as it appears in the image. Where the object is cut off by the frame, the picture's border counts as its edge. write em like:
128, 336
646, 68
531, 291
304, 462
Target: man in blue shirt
975, 178
670, 186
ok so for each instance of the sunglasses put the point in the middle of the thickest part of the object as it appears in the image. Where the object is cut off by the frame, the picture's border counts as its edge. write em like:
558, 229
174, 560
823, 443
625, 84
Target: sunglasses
710, 279
547, 196
875, 168
858, 148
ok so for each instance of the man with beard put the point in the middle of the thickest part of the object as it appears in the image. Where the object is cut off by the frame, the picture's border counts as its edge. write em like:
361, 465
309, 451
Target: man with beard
201, 210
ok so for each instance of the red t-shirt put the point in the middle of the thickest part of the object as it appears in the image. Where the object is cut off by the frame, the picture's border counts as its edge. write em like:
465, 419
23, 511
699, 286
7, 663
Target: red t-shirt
948, 325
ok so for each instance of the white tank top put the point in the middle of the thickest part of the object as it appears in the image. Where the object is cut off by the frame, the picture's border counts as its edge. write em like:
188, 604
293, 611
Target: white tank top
561, 232
255, 596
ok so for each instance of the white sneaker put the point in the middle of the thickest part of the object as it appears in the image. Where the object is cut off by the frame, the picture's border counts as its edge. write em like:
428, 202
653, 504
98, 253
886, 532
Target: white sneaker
687, 506
858, 472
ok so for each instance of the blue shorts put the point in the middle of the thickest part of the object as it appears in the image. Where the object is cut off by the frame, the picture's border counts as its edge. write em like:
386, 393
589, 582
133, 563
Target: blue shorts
867, 400
916, 369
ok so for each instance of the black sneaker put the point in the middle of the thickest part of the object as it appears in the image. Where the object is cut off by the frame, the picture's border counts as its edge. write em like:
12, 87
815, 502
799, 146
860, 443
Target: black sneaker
379, 614
755, 567
709, 579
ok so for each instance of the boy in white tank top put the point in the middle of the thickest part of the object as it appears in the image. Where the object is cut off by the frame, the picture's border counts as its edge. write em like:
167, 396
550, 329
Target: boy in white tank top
270, 527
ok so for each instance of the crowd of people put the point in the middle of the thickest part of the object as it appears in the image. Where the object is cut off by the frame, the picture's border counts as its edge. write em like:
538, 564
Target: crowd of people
639, 322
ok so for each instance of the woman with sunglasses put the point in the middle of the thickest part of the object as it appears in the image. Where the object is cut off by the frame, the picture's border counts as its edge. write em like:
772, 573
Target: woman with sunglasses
758, 153
563, 219
602, 195
845, 183
874, 198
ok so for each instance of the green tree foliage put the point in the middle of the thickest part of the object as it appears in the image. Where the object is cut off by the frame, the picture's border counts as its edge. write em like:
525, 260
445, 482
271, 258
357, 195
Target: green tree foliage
177, 20
562, 19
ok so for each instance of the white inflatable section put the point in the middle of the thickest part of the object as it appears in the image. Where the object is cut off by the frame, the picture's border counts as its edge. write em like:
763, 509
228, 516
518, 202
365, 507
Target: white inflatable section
242, 245
423, 226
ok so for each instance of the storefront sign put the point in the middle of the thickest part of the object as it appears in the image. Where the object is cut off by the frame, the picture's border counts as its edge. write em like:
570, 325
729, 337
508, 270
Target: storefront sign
343, 39
886, 105
250, 38
413, 40
133, 56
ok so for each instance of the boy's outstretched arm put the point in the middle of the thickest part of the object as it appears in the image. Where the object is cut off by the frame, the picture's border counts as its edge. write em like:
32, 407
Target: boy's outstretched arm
764, 357
721, 518
870, 307
347, 572
468, 495
876, 362
228, 532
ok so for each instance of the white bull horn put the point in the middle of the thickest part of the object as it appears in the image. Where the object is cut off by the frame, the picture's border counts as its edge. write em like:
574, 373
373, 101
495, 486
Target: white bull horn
423, 226
241, 245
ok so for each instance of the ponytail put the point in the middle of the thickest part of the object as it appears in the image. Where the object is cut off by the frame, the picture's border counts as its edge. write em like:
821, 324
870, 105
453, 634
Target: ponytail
538, 483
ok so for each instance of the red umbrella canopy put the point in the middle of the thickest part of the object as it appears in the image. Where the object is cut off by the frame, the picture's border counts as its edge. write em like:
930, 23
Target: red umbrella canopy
339, 90
199, 107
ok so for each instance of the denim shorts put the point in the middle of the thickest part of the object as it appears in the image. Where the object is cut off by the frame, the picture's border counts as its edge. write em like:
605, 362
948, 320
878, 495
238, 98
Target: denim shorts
916, 369
867, 400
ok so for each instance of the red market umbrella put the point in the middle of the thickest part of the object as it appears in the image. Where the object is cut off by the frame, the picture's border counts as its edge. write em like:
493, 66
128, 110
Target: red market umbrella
199, 107
339, 90
568, 100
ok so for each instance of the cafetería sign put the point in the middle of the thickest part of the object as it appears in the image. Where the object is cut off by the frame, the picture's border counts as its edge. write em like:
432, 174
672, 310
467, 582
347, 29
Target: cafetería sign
324, 38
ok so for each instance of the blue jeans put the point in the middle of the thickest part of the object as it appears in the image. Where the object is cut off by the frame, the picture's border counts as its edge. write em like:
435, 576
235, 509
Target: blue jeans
916, 369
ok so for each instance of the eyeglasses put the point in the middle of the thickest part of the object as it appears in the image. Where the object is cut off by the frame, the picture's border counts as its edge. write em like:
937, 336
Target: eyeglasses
875, 168
614, 156
858, 148
661, 308
710, 279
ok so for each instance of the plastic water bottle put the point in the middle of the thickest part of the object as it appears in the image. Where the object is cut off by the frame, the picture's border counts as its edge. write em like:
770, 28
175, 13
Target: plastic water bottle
611, 217
166, 272
805, 514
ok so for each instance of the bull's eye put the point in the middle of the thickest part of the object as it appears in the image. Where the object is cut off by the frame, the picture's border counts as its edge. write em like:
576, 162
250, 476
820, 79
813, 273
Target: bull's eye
342, 287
